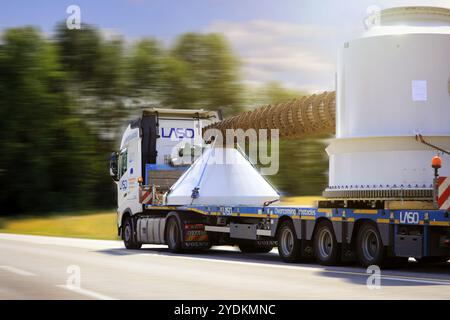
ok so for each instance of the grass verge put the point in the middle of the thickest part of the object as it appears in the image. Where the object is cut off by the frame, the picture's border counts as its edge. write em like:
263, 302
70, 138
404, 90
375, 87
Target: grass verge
96, 225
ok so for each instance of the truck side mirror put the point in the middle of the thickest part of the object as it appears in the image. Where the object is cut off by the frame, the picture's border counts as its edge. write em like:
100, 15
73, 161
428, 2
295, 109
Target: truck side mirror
113, 166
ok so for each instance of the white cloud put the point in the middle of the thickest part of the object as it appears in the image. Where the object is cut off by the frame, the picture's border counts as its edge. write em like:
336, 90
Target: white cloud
297, 55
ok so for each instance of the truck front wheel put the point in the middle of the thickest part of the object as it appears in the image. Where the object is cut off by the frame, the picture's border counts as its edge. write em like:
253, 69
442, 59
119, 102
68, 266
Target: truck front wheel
128, 235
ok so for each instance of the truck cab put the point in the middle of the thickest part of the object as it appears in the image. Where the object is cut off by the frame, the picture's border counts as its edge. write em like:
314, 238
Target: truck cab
155, 150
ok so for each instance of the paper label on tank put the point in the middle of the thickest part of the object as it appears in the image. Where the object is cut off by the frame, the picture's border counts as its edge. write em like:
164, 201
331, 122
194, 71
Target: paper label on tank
419, 90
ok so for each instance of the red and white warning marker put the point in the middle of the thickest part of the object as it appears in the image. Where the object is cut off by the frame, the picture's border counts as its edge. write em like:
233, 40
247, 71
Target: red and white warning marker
443, 198
145, 196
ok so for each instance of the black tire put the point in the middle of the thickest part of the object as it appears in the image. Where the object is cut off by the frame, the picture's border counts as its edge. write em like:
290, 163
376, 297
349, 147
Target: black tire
326, 248
128, 235
253, 247
431, 260
173, 235
289, 247
369, 246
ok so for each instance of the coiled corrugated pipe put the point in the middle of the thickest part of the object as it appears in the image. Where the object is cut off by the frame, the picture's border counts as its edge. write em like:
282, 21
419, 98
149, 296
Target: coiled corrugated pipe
306, 116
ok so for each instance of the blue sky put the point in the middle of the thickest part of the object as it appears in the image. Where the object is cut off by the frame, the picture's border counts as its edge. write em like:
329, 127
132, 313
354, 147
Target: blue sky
291, 41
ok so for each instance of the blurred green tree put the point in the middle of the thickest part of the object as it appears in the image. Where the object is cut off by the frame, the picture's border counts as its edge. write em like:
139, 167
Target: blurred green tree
96, 78
65, 101
274, 92
303, 167
80, 53
146, 70
176, 91
47, 152
271, 92
213, 77
303, 164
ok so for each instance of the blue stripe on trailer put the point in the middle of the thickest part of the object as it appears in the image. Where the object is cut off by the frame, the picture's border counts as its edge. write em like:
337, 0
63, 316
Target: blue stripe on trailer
406, 217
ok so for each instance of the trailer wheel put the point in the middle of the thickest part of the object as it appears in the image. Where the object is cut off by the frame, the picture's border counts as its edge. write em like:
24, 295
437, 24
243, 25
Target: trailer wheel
173, 235
289, 246
128, 235
326, 248
369, 246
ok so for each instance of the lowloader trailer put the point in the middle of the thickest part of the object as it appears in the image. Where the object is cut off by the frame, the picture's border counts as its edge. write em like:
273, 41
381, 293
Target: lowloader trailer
384, 202
330, 235
373, 232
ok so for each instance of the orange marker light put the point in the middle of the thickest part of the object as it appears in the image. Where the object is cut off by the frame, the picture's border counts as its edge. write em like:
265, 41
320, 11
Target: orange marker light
140, 180
436, 163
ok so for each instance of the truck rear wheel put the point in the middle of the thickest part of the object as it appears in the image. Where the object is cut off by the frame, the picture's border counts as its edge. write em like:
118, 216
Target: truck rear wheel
326, 248
173, 235
369, 246
289, 246
128, 235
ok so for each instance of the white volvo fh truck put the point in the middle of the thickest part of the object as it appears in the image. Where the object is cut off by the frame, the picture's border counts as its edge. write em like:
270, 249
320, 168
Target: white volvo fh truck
158, 147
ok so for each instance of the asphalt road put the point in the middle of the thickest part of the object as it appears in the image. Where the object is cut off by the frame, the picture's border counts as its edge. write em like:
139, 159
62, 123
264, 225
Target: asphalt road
35, 267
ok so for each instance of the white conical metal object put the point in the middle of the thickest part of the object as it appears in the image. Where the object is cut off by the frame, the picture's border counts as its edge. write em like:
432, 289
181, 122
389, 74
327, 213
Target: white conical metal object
221, 176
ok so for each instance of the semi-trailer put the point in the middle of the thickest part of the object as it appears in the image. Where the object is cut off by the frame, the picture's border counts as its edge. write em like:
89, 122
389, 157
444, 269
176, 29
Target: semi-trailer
388, 197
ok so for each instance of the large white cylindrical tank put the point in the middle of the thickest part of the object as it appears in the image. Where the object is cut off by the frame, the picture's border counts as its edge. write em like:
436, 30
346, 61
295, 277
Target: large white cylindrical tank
392, 84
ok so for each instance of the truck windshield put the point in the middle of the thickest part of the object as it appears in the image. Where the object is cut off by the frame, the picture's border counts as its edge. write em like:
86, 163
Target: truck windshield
123, 162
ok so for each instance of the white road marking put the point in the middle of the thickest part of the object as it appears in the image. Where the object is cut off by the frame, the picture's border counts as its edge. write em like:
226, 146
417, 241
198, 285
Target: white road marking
18, 271
418, 280
63, 242
85, 292
111, 244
